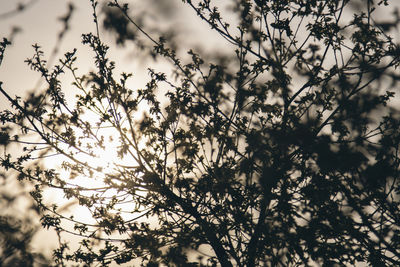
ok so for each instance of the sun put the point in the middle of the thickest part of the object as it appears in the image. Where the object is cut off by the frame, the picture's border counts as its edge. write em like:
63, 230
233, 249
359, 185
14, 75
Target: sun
98, 156
95, 155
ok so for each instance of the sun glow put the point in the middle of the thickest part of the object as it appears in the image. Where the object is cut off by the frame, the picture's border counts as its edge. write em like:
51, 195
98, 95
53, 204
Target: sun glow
88, 170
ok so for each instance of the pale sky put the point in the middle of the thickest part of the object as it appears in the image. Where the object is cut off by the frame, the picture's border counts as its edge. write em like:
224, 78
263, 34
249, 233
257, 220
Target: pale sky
40, 24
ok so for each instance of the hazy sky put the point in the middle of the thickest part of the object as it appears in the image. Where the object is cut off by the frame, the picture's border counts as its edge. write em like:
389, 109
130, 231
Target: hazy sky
39, 23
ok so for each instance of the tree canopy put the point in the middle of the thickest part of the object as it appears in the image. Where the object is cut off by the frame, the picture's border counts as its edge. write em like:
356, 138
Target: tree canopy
279, 149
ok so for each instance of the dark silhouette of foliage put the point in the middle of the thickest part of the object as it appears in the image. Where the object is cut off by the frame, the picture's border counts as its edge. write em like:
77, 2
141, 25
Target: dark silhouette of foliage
281, 150
17, 230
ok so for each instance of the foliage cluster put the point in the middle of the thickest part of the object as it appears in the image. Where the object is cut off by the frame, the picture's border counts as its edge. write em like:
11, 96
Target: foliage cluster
282, 150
